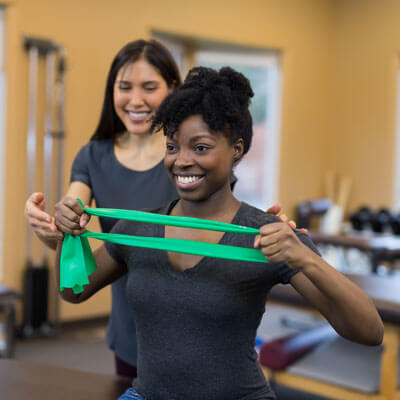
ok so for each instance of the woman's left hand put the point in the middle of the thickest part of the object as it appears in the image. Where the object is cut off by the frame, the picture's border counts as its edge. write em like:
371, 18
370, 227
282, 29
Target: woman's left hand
276, 209
279, 243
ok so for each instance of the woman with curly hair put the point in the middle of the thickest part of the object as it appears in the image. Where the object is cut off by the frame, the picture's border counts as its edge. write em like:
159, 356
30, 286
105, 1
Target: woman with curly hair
197, 317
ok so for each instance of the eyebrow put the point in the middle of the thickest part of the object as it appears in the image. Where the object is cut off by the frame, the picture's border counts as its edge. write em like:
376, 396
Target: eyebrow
200, 137
193, 139
143, 83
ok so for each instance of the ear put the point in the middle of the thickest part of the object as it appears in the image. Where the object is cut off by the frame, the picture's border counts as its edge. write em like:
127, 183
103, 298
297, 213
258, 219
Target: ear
238, 149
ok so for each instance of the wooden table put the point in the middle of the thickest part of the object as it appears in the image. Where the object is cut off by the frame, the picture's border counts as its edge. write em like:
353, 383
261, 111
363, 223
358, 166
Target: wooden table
385, 292
20, 380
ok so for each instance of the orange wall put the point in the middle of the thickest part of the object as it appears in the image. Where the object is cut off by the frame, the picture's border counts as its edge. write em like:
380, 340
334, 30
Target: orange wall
92, 31
366, 52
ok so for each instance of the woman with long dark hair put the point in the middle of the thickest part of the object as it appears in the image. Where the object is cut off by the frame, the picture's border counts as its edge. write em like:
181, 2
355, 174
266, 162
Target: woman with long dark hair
121, 167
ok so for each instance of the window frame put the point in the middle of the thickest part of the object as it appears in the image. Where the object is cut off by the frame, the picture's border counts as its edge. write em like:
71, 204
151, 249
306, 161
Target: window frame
270, 60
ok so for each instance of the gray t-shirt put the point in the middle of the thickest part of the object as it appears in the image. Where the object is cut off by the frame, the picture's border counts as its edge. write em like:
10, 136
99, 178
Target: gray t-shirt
115, 186
196, 329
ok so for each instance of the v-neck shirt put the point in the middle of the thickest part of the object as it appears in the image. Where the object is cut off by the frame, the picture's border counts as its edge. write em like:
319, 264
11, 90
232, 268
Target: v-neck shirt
196, 328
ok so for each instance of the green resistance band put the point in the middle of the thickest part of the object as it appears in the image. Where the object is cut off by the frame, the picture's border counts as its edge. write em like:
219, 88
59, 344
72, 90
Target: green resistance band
77, 261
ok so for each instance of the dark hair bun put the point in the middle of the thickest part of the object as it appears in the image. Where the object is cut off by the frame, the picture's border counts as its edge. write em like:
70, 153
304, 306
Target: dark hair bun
202, 77
239, 84
226, 79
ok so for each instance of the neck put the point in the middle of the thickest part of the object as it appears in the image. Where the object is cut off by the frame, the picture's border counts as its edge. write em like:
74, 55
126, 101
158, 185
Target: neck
220, 206
140, 152
140, 142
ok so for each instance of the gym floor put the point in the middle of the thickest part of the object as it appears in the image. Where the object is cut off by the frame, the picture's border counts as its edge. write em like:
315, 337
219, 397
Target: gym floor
82, 346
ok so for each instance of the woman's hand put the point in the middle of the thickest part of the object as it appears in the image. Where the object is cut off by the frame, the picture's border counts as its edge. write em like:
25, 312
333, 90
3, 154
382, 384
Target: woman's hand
276, 209
70, 216
41, 222
279, 243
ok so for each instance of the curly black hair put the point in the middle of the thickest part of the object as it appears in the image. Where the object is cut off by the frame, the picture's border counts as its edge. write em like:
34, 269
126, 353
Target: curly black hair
221, 97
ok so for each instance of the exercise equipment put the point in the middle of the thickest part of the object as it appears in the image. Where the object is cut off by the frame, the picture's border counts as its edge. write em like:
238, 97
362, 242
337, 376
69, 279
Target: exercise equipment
77, 261
280, 353
36, 275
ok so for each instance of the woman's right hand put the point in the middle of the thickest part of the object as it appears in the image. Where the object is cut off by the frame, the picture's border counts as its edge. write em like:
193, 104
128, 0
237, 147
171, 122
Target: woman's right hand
70, 216
41, 222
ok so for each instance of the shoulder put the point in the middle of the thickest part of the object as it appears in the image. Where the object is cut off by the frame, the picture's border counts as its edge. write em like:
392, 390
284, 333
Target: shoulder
99, 146
254, 217
94, 148
306, 240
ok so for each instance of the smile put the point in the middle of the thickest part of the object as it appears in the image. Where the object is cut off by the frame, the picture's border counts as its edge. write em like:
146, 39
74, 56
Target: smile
138, 116
187, 179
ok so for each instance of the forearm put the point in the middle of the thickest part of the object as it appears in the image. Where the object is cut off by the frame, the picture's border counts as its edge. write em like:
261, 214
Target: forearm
348, 308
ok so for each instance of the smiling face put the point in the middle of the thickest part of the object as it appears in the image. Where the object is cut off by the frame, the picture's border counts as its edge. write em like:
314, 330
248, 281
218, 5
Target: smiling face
138, 91
199, 161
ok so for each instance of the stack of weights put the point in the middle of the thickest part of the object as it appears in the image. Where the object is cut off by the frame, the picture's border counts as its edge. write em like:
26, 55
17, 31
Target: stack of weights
381, 221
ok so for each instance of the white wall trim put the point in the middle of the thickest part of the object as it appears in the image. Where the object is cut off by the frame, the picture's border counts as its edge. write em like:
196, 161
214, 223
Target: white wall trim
273, 141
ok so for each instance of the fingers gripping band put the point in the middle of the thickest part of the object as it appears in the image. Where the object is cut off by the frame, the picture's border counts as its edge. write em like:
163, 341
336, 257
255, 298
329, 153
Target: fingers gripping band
77, 261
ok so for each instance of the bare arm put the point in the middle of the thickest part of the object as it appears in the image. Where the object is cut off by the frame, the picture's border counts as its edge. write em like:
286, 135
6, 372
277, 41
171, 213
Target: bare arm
347, 308
43, 223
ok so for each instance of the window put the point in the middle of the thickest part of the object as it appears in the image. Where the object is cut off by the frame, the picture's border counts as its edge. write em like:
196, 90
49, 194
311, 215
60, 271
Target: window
258, 171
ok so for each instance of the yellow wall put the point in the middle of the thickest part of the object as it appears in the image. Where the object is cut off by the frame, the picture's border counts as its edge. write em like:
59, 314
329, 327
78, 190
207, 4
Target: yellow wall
366, 51
93, 30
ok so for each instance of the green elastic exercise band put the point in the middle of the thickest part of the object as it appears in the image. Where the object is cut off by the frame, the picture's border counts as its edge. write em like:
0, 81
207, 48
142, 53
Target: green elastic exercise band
77, 261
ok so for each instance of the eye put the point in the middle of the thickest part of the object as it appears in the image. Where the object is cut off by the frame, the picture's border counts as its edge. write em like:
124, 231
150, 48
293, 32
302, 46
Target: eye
201, 148
124, 87
150, 89
171, 148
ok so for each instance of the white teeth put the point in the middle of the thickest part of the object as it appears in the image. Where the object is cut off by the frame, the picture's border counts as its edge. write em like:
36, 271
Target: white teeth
187, 179
137, 115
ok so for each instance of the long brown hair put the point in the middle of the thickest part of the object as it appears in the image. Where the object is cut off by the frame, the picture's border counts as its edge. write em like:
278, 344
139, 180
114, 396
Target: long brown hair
109, 125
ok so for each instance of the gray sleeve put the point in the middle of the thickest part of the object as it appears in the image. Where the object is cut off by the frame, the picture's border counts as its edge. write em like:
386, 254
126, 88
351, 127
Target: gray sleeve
285, 273
80, 167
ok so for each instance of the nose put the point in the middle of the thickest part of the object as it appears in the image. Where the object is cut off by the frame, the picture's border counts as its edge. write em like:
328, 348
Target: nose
136, 98
183, 159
